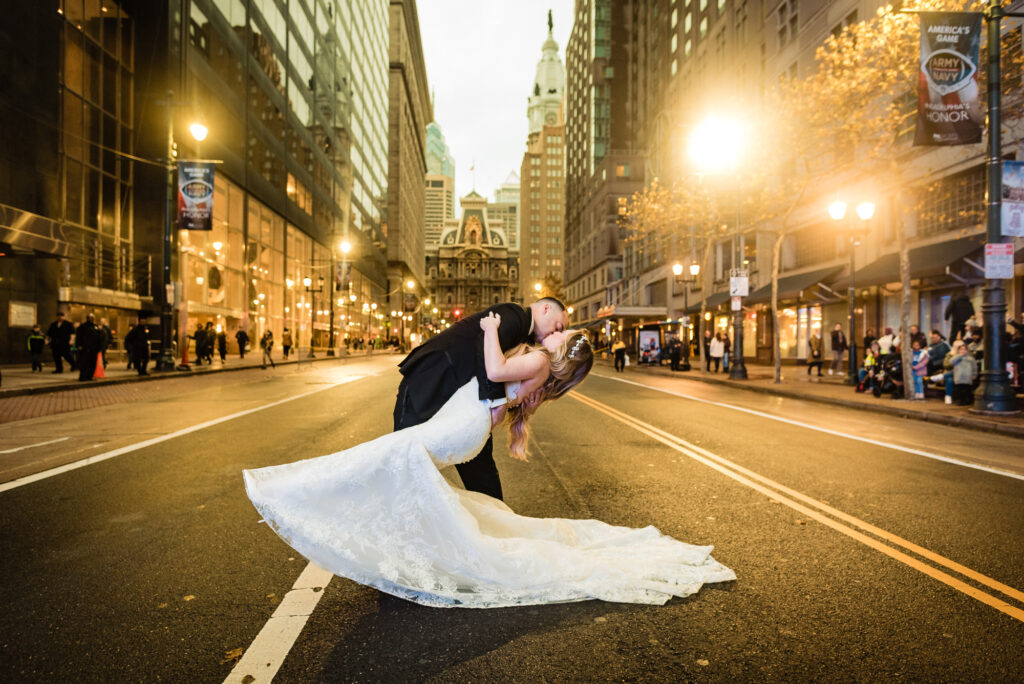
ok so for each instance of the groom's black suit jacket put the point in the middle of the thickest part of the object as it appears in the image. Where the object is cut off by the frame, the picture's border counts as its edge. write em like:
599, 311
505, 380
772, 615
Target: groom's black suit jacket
436, 369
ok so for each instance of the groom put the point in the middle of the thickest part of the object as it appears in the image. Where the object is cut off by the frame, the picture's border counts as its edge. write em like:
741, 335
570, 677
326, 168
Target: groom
435, 370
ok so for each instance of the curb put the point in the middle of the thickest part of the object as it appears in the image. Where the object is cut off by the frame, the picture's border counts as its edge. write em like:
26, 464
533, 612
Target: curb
72, 386
893, 409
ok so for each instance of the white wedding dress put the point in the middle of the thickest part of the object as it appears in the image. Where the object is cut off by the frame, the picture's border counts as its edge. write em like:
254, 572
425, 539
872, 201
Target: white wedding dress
382, 514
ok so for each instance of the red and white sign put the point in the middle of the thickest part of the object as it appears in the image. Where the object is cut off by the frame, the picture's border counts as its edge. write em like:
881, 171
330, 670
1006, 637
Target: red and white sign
999, 260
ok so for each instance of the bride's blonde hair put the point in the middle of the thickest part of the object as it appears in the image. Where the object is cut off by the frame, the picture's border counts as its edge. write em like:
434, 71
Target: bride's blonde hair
569, 364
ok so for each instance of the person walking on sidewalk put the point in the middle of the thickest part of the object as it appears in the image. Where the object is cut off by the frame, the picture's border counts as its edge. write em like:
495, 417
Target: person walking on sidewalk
106, 339
209, 340
243, 341
707, 350
619, 350
267, 345
87, 341
59, 334
839, 346
814, 355
222, 345
286, 342
675, 352
726, 350
36, 343
716, 349
136, 343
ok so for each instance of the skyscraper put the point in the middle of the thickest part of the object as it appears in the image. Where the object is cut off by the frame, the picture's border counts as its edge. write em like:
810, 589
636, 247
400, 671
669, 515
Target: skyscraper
505, 208
439, 158
542, 176
439, 205
602, 170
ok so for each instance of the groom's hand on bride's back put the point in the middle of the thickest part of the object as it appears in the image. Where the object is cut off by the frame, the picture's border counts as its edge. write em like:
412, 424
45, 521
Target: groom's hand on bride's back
491, 320
532, 400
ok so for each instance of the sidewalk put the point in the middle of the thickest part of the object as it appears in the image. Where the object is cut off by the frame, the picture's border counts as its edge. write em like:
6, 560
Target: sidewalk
20, 380
834, 390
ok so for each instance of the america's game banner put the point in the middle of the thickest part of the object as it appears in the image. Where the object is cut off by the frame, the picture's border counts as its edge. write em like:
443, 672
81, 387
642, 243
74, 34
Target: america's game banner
949, 106
1013, 199
195, 195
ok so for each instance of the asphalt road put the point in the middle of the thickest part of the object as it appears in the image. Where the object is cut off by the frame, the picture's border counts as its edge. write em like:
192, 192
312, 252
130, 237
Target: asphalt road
855, 561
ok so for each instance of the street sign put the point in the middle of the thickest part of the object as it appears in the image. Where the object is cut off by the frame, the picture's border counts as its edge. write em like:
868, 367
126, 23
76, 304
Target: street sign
999, 261
737, 303
739, 286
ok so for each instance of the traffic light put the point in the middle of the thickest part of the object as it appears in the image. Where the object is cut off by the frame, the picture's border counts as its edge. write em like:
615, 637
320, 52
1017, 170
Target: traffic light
457, 313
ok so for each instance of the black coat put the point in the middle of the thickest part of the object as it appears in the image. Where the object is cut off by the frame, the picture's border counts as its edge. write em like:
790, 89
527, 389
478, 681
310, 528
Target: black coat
959, 309
87, 338
60, 333
436, 369
137, 340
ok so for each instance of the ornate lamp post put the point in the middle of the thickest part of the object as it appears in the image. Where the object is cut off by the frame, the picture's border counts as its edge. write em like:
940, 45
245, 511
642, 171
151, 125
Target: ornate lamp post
677, 271
865, 211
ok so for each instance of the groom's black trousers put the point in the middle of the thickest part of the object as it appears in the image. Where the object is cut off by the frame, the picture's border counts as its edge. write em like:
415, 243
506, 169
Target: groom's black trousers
479, 474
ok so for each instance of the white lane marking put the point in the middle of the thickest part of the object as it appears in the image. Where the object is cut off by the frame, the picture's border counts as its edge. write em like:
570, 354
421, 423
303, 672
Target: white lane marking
268, 650
32, 446
867, 440
28, 479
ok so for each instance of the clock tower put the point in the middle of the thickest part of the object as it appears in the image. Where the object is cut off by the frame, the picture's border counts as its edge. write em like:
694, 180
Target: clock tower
548, 86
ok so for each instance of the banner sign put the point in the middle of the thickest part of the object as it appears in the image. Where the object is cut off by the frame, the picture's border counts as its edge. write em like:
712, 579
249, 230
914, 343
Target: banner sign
949, 109
195, 195
1013, 199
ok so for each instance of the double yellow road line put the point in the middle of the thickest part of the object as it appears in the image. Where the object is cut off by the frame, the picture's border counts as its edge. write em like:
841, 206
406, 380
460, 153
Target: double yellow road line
855, 528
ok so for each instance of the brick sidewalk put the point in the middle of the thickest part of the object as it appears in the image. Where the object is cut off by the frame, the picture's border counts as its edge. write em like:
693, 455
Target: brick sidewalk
53, 393
833, 390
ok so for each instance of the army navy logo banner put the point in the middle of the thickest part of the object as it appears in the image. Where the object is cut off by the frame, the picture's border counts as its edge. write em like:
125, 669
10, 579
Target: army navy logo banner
949, 109
195, 195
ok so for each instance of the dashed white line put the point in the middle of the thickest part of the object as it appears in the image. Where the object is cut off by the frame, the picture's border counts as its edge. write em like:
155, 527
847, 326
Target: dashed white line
268, 650
28, 479
836, 433
32, 446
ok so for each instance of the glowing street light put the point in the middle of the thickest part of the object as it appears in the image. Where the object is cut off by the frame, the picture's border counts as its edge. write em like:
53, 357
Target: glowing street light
198, 131
345, 247
715, 144
865, 211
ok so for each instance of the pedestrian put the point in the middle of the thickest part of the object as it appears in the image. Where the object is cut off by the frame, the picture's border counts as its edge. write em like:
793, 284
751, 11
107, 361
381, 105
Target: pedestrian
199, 336
222, 345
885, 342
947, 369
839, 345
937, 351
619, 350
243, 341
267, 345
965, 372
920, 361
814, 356
36, 344
209, 340
916, 334
707, 350
960, 310
716, 349
59, 335
106, 338
87, 341
286, 342
866, 375
869, 337
136, 343
675, 351
726, 349
128, 349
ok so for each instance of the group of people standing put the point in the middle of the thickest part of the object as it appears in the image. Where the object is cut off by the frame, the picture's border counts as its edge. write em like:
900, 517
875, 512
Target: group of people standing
84, 346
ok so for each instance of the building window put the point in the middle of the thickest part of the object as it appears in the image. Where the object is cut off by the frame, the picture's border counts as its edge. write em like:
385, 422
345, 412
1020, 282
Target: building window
675, 42
787, 19
703, 27
622, 171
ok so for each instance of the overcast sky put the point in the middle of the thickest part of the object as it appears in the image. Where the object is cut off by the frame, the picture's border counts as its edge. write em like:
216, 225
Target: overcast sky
481, 58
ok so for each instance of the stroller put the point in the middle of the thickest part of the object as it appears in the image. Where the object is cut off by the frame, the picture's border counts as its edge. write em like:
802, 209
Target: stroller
889, 377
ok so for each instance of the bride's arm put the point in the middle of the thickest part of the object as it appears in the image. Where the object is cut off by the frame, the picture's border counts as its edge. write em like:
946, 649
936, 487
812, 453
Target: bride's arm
500, 369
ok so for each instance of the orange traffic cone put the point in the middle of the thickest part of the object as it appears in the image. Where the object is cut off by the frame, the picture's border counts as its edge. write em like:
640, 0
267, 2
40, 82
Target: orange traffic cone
99, 367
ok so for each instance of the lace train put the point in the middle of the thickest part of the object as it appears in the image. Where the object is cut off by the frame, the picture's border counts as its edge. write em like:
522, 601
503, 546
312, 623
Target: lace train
382, 514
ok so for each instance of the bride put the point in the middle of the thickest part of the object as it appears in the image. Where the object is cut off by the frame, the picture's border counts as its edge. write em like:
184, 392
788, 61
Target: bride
382, 514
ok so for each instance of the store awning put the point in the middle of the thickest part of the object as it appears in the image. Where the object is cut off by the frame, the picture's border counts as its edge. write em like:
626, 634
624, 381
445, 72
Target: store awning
929, 260
791, 286
713, 302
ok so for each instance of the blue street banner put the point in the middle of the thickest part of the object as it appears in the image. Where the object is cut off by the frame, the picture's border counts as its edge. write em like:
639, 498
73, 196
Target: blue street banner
1012, 205
949, 106
195, 195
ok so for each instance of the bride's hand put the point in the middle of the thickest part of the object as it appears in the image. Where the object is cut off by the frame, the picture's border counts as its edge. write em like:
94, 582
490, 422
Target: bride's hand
490, 321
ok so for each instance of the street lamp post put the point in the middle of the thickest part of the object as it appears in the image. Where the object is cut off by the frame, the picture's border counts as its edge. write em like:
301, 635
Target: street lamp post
345, 248
677, 271
865, 210
312, 292
165, 361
